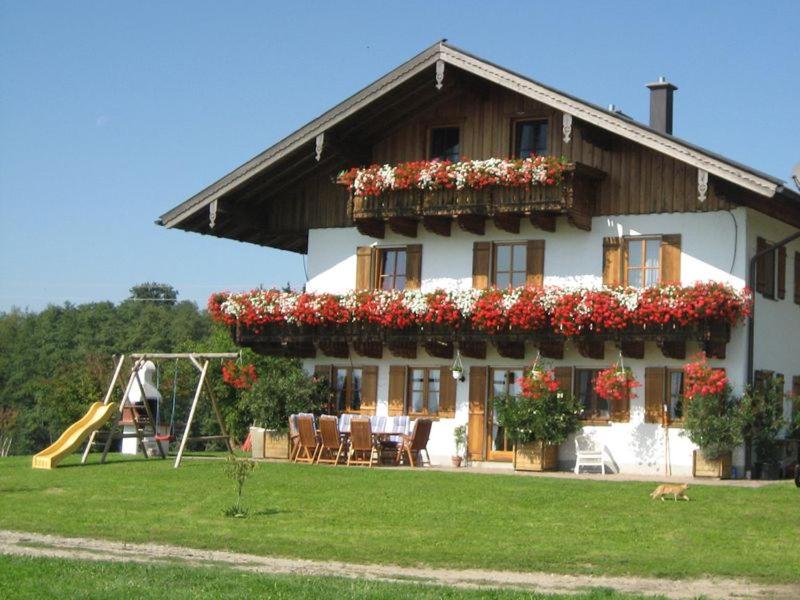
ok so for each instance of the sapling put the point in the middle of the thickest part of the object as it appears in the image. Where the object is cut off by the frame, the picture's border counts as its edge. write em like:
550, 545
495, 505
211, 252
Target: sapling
238, 470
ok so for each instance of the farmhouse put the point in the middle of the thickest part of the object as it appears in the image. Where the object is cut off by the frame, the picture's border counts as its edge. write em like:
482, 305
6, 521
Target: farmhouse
593, 199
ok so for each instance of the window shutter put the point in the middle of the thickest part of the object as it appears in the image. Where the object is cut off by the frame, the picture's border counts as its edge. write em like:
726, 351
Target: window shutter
564, 378
481, 254
654, 396
369, 389
612, 261
397, 390
364, 279
476, 428
797, 277
671, 259
782, 272
413, 266
621, 410
796, 386
760, 378
447, 393
761, 266
534, 264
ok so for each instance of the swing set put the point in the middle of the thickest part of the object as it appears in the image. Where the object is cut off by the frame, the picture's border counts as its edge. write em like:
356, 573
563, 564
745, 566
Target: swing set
145, 424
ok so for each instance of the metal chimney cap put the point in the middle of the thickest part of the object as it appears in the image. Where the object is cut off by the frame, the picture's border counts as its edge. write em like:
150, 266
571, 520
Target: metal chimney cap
662, 83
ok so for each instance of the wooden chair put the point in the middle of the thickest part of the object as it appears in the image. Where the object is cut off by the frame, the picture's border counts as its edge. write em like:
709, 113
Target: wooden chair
362, 444
331, 441
416, 443
308, 441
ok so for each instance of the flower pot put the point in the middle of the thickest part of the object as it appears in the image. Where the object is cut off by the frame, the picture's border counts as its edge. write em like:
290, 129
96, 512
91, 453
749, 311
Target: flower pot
456, 461
276, 445
257, 442
705, 467
535, 456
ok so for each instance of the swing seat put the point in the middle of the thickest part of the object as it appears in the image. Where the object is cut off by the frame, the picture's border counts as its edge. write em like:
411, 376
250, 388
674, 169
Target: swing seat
166, 437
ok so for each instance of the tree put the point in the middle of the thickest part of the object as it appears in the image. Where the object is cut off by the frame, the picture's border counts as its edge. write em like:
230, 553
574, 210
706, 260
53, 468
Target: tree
155, 292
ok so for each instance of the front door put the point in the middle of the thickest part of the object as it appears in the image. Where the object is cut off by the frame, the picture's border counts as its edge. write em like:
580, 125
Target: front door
504, 381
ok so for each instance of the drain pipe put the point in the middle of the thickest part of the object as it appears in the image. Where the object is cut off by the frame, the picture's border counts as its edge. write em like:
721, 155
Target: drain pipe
751, 283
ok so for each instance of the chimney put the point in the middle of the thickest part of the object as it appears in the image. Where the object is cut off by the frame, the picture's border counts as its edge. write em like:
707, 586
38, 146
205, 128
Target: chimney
661, 105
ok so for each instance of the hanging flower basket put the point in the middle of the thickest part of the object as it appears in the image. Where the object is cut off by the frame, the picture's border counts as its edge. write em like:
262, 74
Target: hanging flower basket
538, 382
615, 383
241, 377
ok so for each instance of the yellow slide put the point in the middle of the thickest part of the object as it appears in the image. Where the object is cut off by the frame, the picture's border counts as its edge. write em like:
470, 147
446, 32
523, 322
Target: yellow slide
74, 435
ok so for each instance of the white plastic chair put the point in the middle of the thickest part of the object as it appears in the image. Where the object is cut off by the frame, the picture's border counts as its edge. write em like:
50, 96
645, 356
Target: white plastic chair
588, 453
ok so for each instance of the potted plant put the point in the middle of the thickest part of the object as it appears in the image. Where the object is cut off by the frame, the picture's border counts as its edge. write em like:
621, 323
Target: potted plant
537, 420
460, 437
615, 385
762, 409
713, 418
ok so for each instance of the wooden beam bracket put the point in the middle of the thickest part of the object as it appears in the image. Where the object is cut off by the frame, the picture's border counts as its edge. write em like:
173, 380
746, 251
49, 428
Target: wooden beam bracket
403, 226
437, 225
589, 348
472, 223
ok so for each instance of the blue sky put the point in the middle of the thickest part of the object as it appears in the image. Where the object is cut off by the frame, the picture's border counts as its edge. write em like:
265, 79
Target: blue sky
111, 112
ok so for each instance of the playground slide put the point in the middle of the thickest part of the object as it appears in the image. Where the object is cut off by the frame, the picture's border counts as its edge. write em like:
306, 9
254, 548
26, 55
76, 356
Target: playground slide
75, 434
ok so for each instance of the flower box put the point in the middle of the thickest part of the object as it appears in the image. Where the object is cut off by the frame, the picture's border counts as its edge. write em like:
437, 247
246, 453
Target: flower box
276, 445
706, 467
535, 456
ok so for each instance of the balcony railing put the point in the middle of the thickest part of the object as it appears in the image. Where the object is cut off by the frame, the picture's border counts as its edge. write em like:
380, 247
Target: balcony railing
574, 197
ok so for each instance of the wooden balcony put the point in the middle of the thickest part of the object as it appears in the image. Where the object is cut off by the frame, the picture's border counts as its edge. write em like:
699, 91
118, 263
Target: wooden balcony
403, 210
440, 341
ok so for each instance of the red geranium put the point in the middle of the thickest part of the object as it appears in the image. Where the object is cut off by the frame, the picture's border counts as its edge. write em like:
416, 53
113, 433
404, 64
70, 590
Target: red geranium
615, 383
700, 379
241, 377
538, 382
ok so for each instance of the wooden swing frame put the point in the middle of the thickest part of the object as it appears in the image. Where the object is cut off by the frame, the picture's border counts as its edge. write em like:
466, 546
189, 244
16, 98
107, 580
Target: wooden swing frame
201, 362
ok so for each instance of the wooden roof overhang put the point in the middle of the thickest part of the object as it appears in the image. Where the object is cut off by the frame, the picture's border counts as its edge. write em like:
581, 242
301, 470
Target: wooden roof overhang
243, 204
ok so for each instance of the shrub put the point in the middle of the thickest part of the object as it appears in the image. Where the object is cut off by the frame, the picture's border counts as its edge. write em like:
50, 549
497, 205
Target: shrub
762, 410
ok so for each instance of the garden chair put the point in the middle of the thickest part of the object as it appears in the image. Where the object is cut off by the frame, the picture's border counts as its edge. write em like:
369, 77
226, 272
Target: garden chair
331, 441
294, 437
588, 453
362, 444
344, 422
308, 440
416, 443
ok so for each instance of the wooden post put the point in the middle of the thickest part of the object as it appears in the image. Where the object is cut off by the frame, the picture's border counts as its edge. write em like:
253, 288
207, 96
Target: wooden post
139, 436
188, 428
222, 429
112, 385
120, 409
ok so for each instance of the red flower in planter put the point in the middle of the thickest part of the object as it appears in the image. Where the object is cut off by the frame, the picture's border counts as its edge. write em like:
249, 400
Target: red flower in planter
538, 382
615, 383
528, 312
241, 377
700, 379
489, 314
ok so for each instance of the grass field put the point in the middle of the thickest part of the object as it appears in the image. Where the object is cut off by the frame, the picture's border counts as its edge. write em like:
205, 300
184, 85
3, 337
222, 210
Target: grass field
406, 517
58, 578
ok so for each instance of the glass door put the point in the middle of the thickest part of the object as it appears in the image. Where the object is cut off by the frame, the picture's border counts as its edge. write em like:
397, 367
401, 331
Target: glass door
504, 381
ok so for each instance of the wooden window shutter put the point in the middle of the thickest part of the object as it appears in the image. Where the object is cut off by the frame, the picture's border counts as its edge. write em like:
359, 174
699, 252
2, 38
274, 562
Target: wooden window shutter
481, 264
476, 428
534, 264
782, 272
797, 277
671, 259
564, 378
447, 393
621, 410
796, 386
654, 393
761, 267
413, 266
760, 378
364, 269
397, 390
612, 261
369, 389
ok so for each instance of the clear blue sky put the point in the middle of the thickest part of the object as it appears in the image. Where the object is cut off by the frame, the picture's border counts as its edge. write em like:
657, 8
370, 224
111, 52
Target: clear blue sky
111, 112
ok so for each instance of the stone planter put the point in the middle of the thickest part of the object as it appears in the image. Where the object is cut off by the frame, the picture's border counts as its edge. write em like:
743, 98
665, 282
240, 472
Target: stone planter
704, 467
276, 445
535, 456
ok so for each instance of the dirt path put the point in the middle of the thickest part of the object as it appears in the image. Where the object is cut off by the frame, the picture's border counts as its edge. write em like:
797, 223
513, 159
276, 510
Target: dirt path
40, 545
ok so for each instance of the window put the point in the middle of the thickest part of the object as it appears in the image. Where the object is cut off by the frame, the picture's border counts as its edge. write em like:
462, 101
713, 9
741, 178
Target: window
423, 391
643, 264
445, 144
675, 395
530, 137
765, 269
509, 268
392, 269
348, 389
594, 407
504, 381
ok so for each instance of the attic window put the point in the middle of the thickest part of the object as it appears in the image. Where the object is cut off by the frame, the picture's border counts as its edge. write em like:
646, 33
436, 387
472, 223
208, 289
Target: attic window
445, 144
530, 137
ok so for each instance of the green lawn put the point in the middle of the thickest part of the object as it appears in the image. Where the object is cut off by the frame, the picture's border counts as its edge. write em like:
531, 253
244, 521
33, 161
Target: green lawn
56, 578
409, 517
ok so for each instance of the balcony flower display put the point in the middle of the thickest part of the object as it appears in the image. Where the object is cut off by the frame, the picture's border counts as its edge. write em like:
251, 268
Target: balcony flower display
615, 383
568, 312
374, 180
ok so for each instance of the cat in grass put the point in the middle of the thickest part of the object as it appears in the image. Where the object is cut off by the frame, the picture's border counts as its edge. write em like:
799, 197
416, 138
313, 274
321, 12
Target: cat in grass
676, 491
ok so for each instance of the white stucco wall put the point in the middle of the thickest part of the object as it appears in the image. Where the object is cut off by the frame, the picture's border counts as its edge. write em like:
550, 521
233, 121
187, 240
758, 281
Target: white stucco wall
714, 247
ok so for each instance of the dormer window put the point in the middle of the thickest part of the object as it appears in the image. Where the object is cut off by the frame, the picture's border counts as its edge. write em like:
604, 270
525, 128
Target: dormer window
530, 137
445, 144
